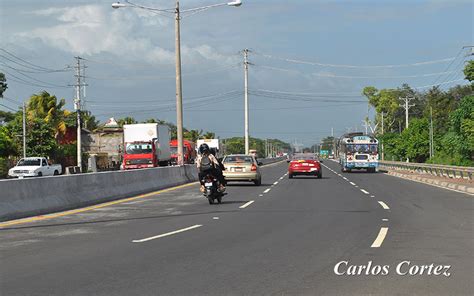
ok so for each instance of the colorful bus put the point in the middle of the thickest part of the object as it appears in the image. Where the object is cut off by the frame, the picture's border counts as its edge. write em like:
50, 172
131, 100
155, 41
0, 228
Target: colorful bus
358, 151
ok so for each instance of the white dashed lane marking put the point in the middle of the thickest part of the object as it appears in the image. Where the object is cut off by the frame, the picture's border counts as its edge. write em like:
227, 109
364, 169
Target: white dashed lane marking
380, 237
166, 234
266, 191
364, 191
246, 204
384, 205
352, 183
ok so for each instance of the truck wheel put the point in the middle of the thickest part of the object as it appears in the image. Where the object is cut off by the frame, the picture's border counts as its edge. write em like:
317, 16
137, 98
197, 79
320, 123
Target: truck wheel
40, 174
56, 173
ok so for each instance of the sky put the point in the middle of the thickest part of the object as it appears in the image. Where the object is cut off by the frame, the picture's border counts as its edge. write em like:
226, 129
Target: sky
309, 59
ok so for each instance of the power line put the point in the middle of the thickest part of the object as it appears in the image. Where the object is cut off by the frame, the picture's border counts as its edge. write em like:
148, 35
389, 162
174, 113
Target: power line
312, 63
327, 75
449, 65
37, 80
35, 67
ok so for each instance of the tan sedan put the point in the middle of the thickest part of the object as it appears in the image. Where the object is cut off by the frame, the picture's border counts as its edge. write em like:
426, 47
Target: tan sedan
241, 167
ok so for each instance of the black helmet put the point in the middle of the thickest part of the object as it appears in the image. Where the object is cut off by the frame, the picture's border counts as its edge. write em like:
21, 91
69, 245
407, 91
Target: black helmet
203, 148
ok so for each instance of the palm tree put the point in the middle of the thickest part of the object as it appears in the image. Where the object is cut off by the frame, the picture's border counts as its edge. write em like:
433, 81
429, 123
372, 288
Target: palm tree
193, 135
45, 106
209, 135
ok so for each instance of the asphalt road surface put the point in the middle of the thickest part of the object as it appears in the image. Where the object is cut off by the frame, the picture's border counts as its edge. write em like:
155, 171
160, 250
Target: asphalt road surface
282, 238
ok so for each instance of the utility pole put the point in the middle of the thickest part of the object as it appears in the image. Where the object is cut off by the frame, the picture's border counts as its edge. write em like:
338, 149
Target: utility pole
406, 105
383, 155
431, 133
24, 130
77, 107
179, 94
246, 99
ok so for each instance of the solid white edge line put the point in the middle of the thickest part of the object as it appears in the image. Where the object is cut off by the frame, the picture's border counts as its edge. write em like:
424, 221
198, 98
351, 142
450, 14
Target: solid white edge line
384, 205
166, 234
266, 191
246, 204
380, 237
366, 192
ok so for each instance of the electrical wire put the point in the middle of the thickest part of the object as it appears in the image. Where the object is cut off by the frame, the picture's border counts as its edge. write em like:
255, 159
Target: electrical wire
449, 65
29, 64
166, 77
359, 77
37, 80
298, 61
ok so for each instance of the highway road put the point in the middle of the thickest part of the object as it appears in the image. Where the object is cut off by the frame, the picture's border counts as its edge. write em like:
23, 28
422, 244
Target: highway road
285, 237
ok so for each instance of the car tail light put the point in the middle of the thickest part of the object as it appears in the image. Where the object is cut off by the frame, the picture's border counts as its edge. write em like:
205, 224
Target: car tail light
254, 168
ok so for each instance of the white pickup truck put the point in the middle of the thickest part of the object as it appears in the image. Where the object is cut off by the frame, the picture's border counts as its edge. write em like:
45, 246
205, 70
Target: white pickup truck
34, 167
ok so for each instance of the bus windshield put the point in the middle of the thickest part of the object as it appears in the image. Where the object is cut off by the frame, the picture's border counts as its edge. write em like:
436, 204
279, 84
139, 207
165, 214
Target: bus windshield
362, 148
139, 148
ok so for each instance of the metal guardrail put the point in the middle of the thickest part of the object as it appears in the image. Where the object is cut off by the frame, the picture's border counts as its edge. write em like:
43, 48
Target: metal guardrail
447, 171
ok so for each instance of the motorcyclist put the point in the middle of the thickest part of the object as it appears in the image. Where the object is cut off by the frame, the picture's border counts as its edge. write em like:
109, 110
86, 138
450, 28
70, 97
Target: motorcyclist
207, 163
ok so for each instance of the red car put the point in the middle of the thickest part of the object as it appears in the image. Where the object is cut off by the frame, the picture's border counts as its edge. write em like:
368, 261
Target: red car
305, 164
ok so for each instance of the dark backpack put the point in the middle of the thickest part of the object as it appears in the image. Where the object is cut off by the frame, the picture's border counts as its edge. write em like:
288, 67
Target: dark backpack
206, 163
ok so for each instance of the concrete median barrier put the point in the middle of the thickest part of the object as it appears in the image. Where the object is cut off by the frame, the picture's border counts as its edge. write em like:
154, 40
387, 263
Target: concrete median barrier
21, 198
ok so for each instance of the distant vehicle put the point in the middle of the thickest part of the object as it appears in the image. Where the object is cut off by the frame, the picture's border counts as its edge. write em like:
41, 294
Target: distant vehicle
241, 167
34, 167
146, 145
331, 156
358, 151
305, 164
189, 150
216, 146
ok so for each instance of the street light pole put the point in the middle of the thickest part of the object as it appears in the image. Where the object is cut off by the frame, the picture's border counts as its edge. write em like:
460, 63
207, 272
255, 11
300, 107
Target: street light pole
246, 99
179, 94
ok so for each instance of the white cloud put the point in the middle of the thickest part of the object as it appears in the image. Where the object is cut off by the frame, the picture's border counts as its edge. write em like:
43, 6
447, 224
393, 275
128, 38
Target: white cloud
129, 34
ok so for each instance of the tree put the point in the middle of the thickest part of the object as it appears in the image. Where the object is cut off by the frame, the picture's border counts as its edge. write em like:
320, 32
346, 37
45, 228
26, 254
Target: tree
413, 143
45, 106
192, 135
209, 135
7, 116
40, 139
469, 71
3, 84
6, 143
127, 120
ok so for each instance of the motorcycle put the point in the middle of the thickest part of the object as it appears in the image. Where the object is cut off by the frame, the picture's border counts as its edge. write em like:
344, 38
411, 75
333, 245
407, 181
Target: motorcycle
211, 189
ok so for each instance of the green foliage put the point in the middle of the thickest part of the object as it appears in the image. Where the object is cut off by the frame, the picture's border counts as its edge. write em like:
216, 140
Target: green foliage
6, 143
3, 84
209, 135
469, 71
453, 124
127, 120
40, 140
7, 116
236, 145
47, 107
414, 141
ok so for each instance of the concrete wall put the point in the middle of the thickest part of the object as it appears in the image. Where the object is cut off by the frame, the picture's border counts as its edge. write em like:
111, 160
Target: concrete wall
36, 196
21, 198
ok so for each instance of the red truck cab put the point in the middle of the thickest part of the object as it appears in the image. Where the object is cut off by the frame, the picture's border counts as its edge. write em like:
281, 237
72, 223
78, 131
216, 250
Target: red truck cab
139, 155
189, 150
